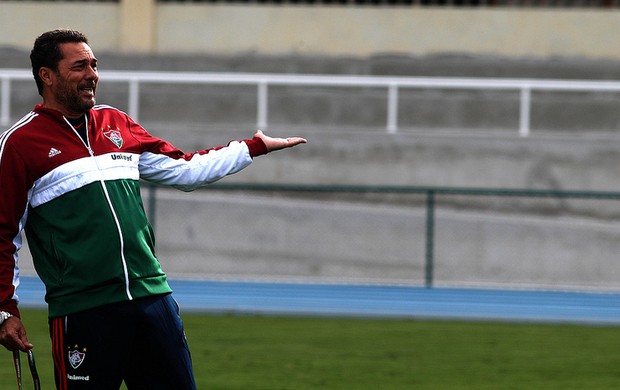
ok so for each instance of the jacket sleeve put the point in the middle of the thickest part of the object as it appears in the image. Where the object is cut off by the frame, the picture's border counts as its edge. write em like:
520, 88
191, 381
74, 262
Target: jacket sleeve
14, 185
163, 163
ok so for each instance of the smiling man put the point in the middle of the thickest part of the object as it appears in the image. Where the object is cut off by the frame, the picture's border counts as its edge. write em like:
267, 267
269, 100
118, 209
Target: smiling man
71, 82
69, 174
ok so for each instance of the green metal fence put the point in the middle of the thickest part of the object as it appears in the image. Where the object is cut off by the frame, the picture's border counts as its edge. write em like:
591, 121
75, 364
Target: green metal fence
429, 192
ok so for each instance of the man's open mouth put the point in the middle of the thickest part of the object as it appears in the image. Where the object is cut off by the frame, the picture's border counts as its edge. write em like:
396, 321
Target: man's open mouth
88, 90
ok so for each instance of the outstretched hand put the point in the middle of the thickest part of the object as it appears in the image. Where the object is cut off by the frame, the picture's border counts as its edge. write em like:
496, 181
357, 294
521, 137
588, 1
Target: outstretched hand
279, 143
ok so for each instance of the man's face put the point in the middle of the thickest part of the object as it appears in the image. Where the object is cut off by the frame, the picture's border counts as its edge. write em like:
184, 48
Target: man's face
75, 82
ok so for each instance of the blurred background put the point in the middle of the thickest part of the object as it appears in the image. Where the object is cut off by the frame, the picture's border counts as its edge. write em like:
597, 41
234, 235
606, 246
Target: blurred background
512, 106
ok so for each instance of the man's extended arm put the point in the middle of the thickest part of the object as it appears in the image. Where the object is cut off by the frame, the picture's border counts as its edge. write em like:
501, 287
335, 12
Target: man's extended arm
162, 163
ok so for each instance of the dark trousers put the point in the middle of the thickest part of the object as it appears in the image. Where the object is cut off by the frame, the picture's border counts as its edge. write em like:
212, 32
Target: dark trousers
141, 342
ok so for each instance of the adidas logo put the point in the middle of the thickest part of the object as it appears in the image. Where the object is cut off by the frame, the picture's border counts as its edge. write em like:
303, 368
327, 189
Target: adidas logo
53, 152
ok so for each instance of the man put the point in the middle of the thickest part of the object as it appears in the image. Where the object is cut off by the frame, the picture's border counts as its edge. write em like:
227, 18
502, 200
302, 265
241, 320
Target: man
69, 174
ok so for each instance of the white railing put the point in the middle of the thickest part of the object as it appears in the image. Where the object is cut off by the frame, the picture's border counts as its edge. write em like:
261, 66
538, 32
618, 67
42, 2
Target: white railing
263, 81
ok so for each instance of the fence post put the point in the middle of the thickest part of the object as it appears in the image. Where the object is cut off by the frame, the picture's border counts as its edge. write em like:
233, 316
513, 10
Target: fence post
524, 111
392, 109
134, 98
5, 99
430, 237
262, 104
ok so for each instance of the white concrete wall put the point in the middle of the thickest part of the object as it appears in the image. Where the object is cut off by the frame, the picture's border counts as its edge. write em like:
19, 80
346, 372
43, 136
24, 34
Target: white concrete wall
366, 31
21, 22
323, 30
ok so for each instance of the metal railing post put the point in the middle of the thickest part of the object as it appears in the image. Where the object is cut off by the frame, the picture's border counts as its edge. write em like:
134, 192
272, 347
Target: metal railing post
134, 98
430, 238
261, 121
392, 109
5, 109
524, 111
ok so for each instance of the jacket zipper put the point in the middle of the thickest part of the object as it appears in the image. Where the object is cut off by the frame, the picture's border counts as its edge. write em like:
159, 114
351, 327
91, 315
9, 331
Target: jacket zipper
107, 196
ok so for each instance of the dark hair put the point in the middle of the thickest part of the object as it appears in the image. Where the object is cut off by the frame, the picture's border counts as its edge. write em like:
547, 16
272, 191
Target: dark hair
46, 51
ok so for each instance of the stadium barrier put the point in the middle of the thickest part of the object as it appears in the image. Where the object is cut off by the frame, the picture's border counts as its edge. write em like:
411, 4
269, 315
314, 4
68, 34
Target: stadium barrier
392, 86
429, 193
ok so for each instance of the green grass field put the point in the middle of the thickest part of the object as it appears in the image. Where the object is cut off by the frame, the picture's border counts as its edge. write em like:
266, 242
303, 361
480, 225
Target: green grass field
277, 353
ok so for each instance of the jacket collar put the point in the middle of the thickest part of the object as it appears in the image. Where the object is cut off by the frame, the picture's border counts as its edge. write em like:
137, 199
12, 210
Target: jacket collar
51, 113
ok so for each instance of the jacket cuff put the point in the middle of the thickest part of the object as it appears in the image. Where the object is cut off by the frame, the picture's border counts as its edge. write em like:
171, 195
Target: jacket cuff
11, 307
256, 146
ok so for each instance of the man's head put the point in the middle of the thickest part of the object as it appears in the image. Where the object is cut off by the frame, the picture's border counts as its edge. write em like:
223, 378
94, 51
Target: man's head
65, 70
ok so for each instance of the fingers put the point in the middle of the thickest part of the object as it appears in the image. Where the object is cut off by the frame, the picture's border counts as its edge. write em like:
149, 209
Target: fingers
298, 140
13, 335
25, 345
292, 141
279, 143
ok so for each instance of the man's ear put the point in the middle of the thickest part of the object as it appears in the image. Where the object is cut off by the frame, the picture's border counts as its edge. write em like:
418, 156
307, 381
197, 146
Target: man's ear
45, 74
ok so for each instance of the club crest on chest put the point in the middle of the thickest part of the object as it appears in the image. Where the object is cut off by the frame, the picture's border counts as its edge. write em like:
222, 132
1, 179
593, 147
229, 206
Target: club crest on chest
114, 136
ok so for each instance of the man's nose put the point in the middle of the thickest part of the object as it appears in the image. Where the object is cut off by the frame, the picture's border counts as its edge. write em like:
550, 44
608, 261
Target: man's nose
92, 73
